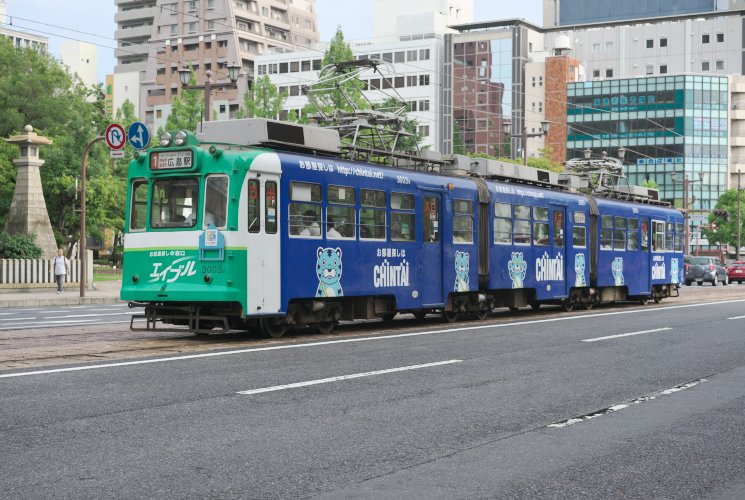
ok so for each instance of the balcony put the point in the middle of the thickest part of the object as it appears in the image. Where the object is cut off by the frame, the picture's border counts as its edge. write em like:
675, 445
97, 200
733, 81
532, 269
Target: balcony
138, 32
131, 51
135, 14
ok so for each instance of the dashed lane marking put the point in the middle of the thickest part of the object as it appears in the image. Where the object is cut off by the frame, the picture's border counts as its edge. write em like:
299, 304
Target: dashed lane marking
596, 339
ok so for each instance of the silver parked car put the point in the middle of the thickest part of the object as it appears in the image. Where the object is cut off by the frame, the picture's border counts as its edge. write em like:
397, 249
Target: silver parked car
709, 269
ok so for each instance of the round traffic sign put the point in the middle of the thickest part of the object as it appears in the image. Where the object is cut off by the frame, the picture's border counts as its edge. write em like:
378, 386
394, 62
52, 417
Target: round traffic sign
138, 135
115, 137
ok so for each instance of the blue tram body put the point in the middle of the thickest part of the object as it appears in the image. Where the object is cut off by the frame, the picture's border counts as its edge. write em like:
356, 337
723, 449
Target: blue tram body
313, 239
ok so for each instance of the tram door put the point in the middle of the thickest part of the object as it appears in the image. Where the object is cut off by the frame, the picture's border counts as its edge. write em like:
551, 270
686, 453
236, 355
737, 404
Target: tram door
561, 244
263, 252
430, 265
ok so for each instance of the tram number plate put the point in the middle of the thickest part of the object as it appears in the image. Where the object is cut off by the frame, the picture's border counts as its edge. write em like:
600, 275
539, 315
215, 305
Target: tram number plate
165, 160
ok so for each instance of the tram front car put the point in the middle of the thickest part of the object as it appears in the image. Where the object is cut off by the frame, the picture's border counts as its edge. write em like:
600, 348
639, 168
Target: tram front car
183, 261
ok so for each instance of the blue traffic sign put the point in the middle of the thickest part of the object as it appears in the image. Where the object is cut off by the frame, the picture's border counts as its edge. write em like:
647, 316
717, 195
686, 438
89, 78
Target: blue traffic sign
138, 135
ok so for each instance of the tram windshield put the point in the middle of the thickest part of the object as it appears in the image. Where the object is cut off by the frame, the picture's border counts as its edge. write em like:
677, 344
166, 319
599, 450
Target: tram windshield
174, 203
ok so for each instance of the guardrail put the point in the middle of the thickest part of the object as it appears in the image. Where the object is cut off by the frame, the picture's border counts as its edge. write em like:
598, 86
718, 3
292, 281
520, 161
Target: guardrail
32, 273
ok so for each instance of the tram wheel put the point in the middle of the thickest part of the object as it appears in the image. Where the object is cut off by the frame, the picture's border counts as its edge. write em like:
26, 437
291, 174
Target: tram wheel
644, 300
273, 327
420, 314
326, 327
588, 305
535, 305
388, 316
567, 306
482, 314
450, 316
657, 299
514, 308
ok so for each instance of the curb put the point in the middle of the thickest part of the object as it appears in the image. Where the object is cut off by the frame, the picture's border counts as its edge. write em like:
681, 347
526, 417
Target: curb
59, 301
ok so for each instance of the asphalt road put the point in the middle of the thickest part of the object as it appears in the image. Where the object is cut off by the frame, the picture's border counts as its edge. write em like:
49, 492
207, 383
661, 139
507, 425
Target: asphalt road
63, 317
472, 410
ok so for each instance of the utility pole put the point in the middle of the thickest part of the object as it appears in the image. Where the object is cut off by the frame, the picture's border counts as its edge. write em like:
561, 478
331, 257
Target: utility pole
739, 225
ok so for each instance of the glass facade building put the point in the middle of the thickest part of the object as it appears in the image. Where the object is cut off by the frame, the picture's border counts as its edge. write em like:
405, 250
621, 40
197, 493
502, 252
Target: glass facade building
668, 124
598, 11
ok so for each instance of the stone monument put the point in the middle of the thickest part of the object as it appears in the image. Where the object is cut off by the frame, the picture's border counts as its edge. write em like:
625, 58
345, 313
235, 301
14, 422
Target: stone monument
28, 210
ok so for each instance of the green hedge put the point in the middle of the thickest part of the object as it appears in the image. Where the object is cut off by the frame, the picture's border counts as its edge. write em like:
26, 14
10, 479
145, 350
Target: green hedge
19, 246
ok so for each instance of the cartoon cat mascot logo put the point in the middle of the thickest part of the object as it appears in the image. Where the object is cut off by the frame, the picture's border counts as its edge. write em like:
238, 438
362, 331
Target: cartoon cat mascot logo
518, 269
617, 269
461, 272
674, 271
579, 269
328, 270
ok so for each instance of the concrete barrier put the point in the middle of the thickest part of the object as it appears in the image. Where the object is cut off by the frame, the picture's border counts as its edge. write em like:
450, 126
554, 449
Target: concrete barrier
34, 273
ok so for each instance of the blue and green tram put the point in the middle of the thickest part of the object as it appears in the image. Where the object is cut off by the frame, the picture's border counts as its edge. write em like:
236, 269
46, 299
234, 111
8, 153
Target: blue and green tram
263, 224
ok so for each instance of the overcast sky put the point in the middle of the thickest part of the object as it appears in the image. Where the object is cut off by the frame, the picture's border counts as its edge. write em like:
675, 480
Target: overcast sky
93, 20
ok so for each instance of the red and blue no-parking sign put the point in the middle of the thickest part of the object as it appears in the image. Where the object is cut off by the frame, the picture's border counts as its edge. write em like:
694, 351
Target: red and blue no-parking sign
115, 136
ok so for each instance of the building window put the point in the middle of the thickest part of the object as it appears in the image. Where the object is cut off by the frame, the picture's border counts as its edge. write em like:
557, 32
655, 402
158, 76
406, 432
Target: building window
424, 130
663, 42
663, 69
423, 79
424, 105
596, 73
192, 5
411, 81
705, 66
705, 38
719, 65
174, 31
650, 44
191, 27
609, 72
411, 55
210, 4
720, 37
595, 47
649, 70
210, 25
609, 46
399, 57
533, 81
424, 54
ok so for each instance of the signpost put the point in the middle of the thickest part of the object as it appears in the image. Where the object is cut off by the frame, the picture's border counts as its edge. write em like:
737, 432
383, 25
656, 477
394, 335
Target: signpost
138, 135
115, 139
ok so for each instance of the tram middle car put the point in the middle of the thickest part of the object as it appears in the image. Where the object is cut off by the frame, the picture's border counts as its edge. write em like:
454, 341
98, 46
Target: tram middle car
262, 223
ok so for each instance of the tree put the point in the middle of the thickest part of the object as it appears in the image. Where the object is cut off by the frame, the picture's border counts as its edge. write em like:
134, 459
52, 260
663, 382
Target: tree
649, 183
724, 216
264, 99
187, 107
36, 89
334, 99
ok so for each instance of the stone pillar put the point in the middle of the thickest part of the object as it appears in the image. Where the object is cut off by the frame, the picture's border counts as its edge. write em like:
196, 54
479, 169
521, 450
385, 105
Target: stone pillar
28, 210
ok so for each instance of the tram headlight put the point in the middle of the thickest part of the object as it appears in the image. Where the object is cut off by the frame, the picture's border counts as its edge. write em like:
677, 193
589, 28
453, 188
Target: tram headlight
180, 138
165, 139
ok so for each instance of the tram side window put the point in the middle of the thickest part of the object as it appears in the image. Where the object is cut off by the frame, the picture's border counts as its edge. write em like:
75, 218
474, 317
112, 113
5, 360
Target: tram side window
669, 237
431, 215
216, 201
522, 225
305, 210
340, 213
503, 223
579, 233
270, 207
462, 221
606, 232
372, 214
138, 207
632, 243
558, 228
254, 208
658, 236
678, 237
645, 235
540, 226
403, 223
174, 203
619, 233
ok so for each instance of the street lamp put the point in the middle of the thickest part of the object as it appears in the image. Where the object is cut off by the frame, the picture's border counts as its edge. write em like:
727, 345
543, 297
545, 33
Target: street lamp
686, 183
233, 72
507, 126
737, 252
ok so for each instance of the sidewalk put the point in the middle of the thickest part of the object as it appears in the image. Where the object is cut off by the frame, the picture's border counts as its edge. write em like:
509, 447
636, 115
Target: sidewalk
105, 292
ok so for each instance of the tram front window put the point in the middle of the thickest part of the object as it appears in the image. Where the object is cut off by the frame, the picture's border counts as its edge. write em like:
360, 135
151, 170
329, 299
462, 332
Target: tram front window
174, 203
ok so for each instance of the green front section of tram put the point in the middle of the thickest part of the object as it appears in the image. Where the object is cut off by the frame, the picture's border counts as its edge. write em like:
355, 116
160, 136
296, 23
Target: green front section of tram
183, 275
182, 200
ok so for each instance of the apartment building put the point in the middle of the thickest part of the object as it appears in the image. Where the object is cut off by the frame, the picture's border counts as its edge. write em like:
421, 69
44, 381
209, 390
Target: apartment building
156, 38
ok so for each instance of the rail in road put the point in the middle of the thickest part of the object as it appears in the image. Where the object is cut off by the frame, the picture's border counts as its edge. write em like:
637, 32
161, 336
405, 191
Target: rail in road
82, 334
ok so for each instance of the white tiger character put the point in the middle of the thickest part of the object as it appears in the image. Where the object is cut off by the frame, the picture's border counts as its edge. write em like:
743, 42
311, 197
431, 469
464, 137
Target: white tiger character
461, 272
518, 269
328, 270
617, 270
579, 269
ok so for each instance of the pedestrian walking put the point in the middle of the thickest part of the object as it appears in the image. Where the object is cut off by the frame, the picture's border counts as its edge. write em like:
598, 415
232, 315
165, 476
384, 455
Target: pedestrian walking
61, 267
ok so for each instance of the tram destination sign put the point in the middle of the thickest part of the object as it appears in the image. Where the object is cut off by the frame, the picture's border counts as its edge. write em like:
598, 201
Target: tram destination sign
167, 160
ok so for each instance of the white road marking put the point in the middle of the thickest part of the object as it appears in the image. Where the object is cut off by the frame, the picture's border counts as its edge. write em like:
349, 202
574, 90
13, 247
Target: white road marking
88, 322
10, 320
357, 339
627, 334
736, 317
346, 377
90, 315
